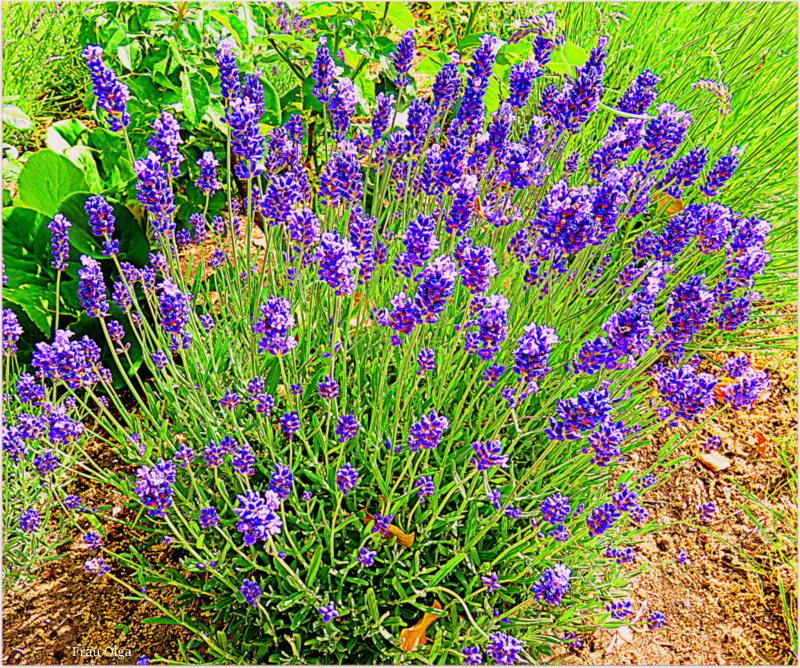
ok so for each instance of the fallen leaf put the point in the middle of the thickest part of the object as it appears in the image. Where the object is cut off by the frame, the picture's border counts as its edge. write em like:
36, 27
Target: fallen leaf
670, 205
479, 208
405, 539
719, 389
763, 444
414, 636
714, 461
625, 634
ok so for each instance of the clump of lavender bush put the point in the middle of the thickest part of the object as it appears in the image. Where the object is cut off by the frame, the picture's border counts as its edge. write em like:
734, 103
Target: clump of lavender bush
419, 390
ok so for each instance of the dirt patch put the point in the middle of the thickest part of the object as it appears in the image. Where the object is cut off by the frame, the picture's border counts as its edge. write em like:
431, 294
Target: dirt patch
725, 606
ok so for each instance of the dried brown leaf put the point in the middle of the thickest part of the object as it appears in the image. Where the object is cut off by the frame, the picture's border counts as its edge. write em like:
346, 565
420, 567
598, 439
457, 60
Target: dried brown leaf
714, 461
414, 636
405, 539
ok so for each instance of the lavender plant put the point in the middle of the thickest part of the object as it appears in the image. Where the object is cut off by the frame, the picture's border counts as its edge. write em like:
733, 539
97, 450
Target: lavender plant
419, 386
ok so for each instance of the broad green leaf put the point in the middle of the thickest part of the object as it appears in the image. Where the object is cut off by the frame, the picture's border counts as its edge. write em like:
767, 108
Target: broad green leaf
195, 97
234, 25
62, 135
468, 42
47, 179
565, 59
432, 63
400, 16
318, 9
83, 157
129, 55
16, 118
272, 105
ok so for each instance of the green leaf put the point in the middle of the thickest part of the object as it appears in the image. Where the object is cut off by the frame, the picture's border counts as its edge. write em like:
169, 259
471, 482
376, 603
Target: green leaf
565, 59
16, 118
47, 179
313, 567
195, 97
448, 567
272, 105
432, 63
469, 42
159, 620
400, 16
129, 55
62, 135
83, 157
234, 25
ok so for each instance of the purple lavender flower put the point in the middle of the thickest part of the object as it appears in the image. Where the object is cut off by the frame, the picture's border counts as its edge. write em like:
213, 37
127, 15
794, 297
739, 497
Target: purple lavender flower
341, 179
555, 508
165, 141
328, 612
328, 388
229, 77
153, 487
492, 322
602, 518
155, 193
742, 394
402, 57
447, 85
619, 609
380, 115
425, 487
341, 107
427, 433
465, 191
504, 649
366, 557
290, 423
251, 591
208, 517
12, 330
687, 393
258, 517
472, 656
533, 352
60, 241
323, 72
520, 82
478, 268
274, 324
488, 455
436, 285
243, 460
664, 134
491, 582
337, 260
346, 478
381, 524
721, 172
247, 141
346, 427
29, 520
75, 363
207, 181
684, 172
552, 585
655, 621
28, 391
112, 94
492, 374
92, 289
426, 360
